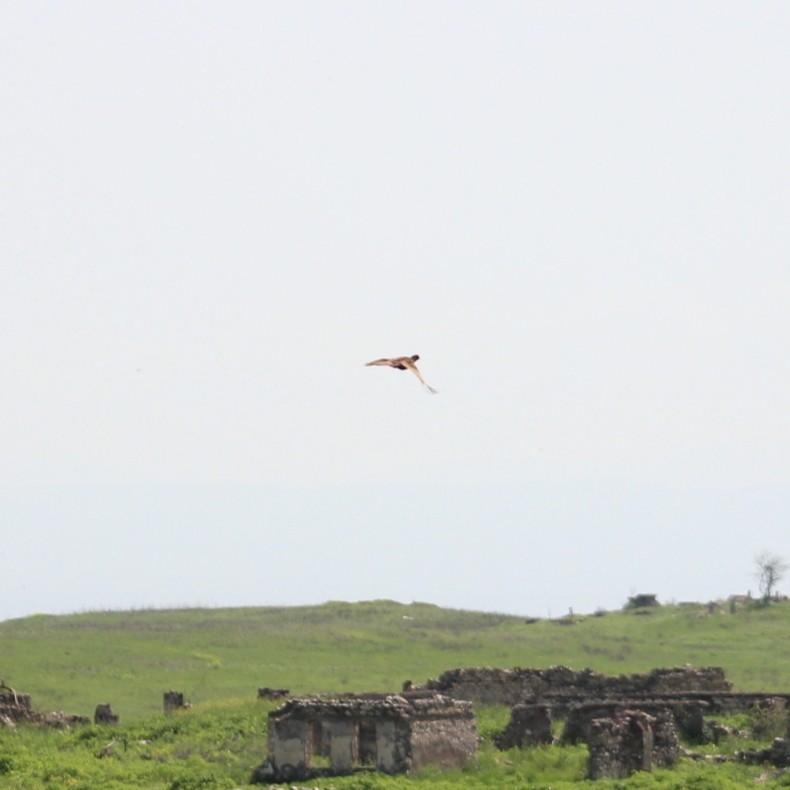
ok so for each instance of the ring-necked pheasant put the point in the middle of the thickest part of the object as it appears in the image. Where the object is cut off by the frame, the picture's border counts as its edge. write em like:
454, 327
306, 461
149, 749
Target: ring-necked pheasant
404, 363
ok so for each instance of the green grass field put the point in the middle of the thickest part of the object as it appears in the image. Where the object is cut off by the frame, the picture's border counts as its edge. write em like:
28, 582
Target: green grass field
219, 657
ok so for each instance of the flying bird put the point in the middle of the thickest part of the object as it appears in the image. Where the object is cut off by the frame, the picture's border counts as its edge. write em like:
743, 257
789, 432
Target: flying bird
404, 363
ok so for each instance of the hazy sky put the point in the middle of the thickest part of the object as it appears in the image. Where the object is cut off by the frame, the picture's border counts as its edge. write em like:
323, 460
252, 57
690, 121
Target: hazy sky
213, 214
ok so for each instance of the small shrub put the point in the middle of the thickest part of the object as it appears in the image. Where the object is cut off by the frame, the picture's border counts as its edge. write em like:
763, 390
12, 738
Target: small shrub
642, 601
770, 720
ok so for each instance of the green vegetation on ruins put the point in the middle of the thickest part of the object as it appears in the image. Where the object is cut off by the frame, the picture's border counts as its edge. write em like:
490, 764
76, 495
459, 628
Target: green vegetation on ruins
219, 657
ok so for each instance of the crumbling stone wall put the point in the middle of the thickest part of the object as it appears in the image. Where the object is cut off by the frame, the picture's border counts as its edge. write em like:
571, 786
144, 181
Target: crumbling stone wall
631, 741
14, 706
61, 721
492, 686
529, 725
721, 703
778, 754
392, 733
578, 723
619, 746
670, 714
442, 732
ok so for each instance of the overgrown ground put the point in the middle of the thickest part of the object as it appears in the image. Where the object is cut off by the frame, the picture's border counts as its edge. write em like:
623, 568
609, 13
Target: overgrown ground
220, 657
217, 745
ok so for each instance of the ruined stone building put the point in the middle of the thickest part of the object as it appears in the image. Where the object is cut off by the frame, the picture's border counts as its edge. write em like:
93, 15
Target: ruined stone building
319, 736
629, 722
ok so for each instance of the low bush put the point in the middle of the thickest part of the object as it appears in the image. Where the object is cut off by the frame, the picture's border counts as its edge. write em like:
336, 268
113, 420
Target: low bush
770, 720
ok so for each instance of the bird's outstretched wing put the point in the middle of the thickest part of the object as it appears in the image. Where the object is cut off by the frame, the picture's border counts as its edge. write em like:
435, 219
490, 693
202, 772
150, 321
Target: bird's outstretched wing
384, 361
413, 368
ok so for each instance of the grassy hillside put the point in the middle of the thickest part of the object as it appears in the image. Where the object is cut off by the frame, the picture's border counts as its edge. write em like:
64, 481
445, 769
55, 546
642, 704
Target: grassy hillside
73, 662
220, 657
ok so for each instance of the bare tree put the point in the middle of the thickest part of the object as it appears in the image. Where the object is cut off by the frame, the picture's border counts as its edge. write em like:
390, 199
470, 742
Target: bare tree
770, 571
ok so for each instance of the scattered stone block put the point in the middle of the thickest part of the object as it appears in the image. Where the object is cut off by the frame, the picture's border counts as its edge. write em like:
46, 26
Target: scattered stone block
778, 754
104, 714
264, 692
172, 701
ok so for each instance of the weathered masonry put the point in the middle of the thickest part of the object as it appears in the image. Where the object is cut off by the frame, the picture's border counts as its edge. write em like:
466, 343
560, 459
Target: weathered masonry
319, 736
631, 741
490, 686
